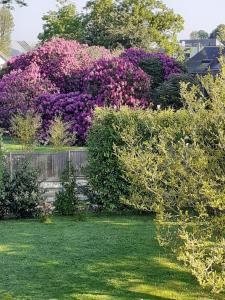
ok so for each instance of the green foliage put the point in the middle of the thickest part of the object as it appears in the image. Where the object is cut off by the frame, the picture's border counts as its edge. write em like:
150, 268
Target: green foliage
25, 128
132, 23
59, 135
6, 28
64, 23
168, 94
66, 203
106, 174
153, 67
179, 172
200, 34
22, 190
10, 3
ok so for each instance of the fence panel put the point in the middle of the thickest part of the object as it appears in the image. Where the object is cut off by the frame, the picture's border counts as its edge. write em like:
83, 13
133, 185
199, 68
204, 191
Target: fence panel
50, 165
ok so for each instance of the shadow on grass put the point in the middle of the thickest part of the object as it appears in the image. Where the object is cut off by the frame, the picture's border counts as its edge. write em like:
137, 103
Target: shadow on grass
104, 258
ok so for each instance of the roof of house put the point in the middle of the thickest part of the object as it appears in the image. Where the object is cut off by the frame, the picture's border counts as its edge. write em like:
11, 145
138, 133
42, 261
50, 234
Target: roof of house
19, 47
202, 42
207, 58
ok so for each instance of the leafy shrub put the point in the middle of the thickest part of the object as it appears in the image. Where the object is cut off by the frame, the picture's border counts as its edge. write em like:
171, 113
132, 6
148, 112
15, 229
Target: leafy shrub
22, 191
168, 93
66, 203
153, 66
105, 173
25, 128
59, 134
179, 173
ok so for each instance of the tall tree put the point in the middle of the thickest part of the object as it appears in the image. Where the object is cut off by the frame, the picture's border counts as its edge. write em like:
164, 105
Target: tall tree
132, 23
6, 27
64, 23
200, 34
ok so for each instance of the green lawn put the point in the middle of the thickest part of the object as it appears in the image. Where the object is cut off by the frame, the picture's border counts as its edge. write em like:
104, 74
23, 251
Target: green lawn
12, 145
103, 258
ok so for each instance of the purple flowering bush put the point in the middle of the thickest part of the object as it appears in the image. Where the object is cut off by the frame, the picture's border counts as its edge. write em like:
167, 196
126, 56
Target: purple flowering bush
113, 82
110, 83
74, 108
18, 89
170, 64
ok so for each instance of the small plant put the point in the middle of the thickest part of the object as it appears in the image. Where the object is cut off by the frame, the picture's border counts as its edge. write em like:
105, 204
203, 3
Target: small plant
25, 128
66, 203
45, 212
59, 134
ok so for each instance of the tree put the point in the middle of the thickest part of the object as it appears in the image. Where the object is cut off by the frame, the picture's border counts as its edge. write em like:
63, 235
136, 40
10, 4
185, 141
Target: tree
6, 27
10, 3
132, 23
200, 34
64, 23
219, 33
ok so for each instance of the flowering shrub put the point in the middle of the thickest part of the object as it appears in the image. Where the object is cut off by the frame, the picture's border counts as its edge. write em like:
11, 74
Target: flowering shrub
74, 108
113, 82
170, 65
58, 58
18, 89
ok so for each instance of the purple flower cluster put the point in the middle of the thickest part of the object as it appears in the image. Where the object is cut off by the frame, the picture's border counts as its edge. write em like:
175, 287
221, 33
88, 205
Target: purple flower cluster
112, 83
19, 88
74, 108
170, 65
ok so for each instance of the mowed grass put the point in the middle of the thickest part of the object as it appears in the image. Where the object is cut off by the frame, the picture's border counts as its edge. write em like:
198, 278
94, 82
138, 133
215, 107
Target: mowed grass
12, 145
102, 258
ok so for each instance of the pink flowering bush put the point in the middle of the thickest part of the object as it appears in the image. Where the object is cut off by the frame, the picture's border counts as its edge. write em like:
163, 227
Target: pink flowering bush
113, 82
59, 58
18, 89
170, 65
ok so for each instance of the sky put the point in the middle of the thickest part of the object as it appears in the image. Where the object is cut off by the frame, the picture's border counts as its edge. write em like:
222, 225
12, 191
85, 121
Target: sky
198, 14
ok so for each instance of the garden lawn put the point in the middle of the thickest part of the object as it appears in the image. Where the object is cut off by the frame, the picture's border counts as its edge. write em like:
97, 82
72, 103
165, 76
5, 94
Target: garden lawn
12, 145
102, 258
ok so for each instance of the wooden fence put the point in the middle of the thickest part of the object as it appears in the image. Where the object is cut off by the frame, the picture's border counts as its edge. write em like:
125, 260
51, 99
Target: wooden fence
50, 165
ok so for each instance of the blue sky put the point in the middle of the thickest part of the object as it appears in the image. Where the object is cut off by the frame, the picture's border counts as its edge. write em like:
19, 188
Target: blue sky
198, 14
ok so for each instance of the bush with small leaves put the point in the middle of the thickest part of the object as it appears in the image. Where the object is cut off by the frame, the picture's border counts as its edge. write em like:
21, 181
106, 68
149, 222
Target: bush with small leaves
59, 135
66, 203
25, 128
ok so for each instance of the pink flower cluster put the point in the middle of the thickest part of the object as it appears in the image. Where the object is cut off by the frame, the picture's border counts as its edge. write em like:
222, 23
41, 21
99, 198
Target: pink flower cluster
19, 88
170, 65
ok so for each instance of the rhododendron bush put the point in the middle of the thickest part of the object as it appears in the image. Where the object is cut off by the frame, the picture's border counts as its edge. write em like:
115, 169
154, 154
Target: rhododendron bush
69, 79
18, 89
113, 83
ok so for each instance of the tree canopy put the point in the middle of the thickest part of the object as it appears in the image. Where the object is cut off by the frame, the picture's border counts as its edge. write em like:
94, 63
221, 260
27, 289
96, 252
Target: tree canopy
219, 33
6, 27
114, 24
64, 23
200, 34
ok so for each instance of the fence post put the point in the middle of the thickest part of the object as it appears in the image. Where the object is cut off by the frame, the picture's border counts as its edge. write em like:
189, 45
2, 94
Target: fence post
10, 165
69, 155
